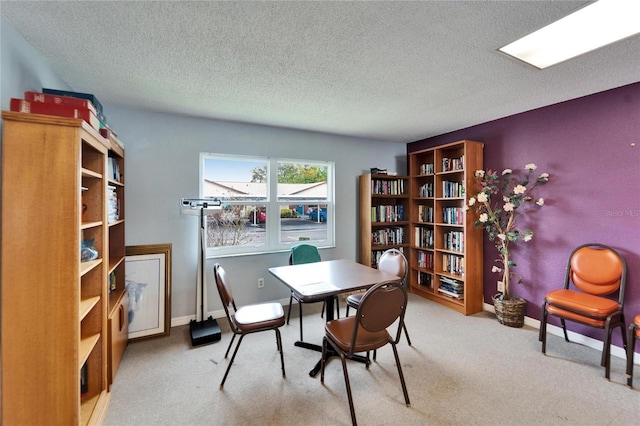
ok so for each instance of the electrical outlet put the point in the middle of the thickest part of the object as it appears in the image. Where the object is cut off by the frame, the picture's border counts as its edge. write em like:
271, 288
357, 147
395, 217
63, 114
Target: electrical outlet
500, 287
260, 282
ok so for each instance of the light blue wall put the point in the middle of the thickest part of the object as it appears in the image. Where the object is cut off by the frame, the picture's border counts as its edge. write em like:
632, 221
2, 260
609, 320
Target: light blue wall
162, 153
21, 67
162, 166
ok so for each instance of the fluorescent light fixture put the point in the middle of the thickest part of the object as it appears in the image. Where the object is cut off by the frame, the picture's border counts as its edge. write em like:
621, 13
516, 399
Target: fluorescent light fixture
599, 24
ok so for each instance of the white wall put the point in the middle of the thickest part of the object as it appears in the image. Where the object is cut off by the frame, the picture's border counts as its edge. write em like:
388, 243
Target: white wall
162, 153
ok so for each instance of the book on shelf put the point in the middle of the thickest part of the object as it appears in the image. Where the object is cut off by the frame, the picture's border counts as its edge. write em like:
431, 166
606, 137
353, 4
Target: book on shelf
113, 167
378, 171
113, 205
111, 136
21, 105
96, 103
84, 380
458, 296
49, 98
451, 281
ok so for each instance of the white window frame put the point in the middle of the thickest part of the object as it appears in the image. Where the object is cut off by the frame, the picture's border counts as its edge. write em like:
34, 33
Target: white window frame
273, 204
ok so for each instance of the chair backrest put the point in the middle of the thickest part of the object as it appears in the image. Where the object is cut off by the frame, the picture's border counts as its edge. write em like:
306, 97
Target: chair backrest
224, 290
394, 262
597, 269
380, 307
304, 253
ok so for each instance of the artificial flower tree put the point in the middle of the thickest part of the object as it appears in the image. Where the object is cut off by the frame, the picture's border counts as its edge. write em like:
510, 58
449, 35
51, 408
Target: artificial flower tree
500, 201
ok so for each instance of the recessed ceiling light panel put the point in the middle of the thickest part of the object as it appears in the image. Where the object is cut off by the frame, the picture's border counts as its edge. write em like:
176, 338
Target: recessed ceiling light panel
597, 25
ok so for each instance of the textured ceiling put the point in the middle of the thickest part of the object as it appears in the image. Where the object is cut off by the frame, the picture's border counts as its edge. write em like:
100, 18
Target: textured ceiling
398, 71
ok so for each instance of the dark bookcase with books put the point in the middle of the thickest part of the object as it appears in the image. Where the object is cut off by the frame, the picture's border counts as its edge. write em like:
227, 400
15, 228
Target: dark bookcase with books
445, 254
383, 215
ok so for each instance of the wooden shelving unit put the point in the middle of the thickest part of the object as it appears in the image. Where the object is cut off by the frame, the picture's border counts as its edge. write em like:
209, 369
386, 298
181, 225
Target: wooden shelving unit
54, 306
445, 258
118, 308
384, 212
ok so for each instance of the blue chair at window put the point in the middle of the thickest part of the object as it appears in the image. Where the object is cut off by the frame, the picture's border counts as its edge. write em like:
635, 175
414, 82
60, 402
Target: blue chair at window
305, 253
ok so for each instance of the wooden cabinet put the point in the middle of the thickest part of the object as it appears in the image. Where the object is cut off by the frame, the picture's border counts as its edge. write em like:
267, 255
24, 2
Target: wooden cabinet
118, 335
445, 258
384, 210
118, 306
54, 305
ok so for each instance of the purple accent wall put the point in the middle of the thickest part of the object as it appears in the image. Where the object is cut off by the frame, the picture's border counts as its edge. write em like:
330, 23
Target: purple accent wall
593, 195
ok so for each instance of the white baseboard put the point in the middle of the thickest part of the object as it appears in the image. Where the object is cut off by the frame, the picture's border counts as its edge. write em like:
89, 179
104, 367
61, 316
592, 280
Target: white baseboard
590, 342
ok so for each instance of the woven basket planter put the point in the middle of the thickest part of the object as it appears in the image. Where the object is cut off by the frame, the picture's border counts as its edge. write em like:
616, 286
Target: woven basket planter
509, 312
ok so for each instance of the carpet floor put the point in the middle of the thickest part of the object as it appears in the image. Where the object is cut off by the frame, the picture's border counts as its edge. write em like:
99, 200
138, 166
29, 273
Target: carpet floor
460, 370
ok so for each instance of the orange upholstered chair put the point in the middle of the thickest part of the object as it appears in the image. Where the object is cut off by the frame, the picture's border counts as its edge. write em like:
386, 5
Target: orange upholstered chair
634, 334
593, 295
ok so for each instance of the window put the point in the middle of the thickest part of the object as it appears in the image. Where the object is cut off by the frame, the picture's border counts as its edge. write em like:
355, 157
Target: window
267, 204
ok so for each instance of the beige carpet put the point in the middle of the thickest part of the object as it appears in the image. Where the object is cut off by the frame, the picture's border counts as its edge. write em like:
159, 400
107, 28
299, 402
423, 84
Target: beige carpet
459, 371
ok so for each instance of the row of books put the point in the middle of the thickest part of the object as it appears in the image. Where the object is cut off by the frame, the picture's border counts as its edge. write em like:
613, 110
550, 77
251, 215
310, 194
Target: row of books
453, 264
453, 215
387, 187
387, 213
113, 205
427, 169
388, 236
113, 169
426, 190
425, 214
423, 237
425, 260
61, 104
454, 240
451, 164
451, 287
425, 279
452, 189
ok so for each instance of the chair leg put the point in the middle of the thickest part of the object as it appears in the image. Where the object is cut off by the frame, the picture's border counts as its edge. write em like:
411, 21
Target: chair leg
337, 307
290, 303
348, 386
279, 345
406, 333
404, 385
235, 351
346, 314
630, 349
564, 329
233, 337
542, 336
322, 311
607, 355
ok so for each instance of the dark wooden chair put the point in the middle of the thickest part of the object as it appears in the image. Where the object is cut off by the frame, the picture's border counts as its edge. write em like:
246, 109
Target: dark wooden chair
394, 262
381, 306
595, 274
247, 319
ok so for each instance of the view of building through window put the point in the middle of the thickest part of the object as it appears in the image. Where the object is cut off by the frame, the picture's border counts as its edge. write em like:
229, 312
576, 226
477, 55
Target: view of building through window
267, 204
